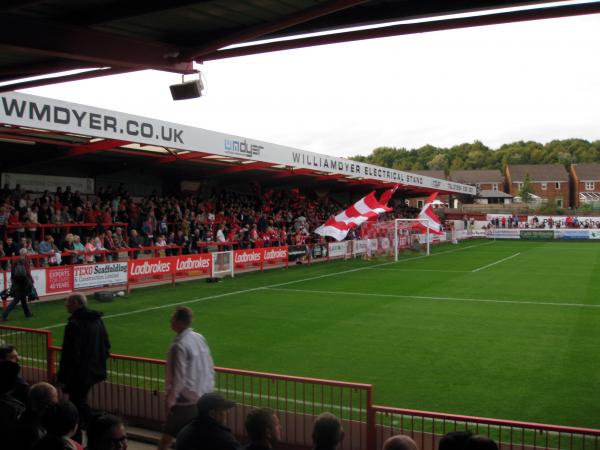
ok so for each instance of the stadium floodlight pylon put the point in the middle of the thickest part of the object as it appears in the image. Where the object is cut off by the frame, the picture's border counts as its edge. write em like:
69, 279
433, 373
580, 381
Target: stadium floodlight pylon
410, 236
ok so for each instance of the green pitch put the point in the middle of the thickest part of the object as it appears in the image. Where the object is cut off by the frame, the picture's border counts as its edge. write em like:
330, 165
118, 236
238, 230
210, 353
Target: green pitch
498, 329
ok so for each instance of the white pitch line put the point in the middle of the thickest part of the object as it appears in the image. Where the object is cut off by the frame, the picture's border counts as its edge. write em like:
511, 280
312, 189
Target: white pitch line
496, 262
423, 270
244, 291
454, 299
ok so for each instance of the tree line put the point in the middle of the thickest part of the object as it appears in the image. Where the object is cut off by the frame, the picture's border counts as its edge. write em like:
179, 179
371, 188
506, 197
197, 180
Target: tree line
478, 156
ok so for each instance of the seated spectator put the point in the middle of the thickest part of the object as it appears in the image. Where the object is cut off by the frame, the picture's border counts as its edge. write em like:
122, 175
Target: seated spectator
99, 247
400, 442
327, 433
10, 408
20, 389
263, 428
454, 440
60, 422
106, 432
67, 250
208, 431
135, 241
29, 429
90, 248
48, 248
79, 248
479, 442
119, 239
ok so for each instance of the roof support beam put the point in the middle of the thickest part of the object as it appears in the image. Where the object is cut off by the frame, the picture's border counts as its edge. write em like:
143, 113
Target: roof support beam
87, 45
258, 31
185, 157
550, 12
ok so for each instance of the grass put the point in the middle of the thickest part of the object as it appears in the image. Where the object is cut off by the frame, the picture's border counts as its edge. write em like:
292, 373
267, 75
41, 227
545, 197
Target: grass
497, 329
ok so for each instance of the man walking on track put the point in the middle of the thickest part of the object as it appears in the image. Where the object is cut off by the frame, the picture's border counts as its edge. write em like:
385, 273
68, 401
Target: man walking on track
189, 375
83, 358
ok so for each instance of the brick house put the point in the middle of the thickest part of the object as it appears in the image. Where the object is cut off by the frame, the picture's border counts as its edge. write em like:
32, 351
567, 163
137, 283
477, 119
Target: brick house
491, 180
548, 181
418, 202
585, 184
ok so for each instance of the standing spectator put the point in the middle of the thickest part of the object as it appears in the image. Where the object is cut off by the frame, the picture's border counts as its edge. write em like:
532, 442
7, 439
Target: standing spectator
208, 431
84, 353
22, 281
189, 374
106, 432
263, 428
327, 433
400, 442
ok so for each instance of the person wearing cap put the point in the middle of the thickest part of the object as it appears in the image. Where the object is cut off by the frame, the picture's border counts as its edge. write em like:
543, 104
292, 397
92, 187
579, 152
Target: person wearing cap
189, 375
208, 431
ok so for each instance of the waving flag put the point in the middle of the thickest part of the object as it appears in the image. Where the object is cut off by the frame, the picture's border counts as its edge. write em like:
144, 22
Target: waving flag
434, 225
366, 208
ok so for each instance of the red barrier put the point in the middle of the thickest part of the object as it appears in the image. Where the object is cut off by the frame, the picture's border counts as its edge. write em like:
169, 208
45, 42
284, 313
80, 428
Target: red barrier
135, 390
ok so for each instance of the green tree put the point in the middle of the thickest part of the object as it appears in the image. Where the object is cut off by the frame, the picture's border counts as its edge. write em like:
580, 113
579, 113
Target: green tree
526, 190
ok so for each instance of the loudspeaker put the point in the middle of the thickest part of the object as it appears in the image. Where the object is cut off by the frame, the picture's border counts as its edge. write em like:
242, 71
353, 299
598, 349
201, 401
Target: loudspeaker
186, 90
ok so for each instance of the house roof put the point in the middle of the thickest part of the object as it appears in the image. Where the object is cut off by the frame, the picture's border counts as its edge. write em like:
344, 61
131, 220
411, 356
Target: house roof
538, 172
477, 176
487, 193
587, 172
430, 173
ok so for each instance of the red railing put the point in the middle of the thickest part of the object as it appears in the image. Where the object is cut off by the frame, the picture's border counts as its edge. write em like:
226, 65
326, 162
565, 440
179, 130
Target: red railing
427, 428
14, 227
135, 390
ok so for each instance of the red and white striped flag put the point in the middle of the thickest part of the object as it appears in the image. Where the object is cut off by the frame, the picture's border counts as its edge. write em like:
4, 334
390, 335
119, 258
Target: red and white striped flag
366, 208
433, 224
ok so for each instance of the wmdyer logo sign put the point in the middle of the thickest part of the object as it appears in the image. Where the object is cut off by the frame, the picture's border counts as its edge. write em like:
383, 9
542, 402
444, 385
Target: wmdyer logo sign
242, 148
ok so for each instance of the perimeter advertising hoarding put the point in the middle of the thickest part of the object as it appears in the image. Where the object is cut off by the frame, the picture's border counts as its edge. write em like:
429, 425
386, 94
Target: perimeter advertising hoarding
536, 235
319, 251
98, 275
571, 234
505, 233
359, 247
275, 253
171, 264
59, 279
337, 249
297, 252
66, 117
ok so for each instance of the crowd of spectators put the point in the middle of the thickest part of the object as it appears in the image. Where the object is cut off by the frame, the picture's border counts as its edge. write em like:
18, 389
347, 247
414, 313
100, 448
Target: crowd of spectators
515, 221
66, 227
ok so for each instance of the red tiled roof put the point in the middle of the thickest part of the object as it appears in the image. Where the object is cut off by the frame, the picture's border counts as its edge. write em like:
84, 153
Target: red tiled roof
538, 172
477, 176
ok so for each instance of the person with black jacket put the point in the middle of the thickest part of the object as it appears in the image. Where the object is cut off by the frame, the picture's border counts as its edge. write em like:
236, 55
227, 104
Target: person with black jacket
84, 353
22, 282
263, 428
208, 431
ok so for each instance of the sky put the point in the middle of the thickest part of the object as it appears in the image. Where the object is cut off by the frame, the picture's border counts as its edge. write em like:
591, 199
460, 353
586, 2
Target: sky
536, 80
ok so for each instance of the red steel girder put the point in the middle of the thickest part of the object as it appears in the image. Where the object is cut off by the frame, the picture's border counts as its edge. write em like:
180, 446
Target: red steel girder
550, 12
94, 147
246, 167
185, 157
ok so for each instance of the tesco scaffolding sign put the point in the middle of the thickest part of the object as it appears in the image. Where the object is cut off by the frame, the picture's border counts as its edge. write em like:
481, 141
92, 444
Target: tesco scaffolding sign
97, 275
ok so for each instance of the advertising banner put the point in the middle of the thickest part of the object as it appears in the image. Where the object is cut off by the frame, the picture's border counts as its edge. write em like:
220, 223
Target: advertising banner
39, 280
319, 251
59, 279
338, 249
248, 256
359, 247
594, 234
571, 234
505, 233
151, 267
193, 263
372, 245
97, 275
537, 235
275, 254
297, 252
2, 283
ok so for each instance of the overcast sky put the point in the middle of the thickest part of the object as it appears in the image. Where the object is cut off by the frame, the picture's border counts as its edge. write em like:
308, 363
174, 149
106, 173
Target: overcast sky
498, 84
